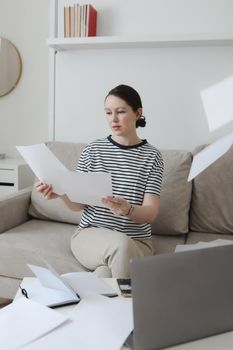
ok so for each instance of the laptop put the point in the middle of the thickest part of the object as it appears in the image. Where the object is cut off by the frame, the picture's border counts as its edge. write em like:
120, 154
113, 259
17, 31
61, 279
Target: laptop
180, 297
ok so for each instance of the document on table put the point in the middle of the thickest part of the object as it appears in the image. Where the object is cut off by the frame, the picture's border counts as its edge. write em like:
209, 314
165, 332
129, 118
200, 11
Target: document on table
53, 290
97, 323
82, 283
209, 155
200, 245
19, 326
49, 289
86, 188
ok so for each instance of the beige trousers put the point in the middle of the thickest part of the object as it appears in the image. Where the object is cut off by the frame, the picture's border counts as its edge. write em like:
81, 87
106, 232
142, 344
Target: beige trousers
108, 252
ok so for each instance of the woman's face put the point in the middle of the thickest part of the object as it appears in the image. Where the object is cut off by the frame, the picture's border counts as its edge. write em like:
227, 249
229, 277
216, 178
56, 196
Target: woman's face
120, 116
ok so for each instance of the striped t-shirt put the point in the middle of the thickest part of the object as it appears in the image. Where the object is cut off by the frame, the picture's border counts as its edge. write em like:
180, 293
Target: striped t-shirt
135, 170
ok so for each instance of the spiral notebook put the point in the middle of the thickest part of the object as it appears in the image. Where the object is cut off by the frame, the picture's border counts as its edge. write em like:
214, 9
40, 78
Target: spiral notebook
53, 290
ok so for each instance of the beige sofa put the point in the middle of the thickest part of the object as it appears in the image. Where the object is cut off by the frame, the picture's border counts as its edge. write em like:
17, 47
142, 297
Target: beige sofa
32, 227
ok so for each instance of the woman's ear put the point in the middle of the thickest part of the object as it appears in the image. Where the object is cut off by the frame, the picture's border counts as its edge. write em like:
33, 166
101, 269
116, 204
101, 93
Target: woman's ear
138, 113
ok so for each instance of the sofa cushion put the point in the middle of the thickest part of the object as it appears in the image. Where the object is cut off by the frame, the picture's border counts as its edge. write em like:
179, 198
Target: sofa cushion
9, 286
14, 209
173, 218
56, 210
195, 237
166, 244
34, 239
212, 198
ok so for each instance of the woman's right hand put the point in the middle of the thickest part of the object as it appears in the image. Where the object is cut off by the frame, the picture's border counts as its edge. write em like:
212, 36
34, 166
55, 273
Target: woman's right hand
46, 190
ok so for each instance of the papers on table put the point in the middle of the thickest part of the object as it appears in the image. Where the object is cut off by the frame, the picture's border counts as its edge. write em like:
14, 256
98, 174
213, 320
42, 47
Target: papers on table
49, 289
47, 296
53, 290
97, 323
201, 245
87, 283
24, 321
209, 155
49, 279
86, 188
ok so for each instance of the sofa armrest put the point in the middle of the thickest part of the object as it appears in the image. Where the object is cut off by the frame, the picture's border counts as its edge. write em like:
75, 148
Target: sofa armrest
14, 209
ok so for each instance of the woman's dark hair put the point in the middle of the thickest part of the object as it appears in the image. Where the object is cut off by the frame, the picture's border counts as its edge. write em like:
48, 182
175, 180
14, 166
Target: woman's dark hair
131, 97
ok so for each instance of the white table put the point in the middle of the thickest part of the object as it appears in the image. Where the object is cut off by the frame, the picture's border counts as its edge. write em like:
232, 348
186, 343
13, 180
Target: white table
65, 310
222, 341
15, 175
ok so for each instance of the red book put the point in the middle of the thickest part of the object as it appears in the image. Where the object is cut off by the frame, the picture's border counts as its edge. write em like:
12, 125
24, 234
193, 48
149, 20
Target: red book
91, 21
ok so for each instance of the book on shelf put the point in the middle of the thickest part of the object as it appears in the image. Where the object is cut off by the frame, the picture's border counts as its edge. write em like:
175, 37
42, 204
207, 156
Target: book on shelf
91, 21
77, 20
80, 20
67, 21
72, 21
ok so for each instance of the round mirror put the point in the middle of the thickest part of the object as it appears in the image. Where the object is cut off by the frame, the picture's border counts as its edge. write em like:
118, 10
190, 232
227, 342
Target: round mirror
10, 66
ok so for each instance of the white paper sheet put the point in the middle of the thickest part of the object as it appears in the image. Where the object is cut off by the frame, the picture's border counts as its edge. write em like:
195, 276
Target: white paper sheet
201, 245
86, 188
87, 283
25, 320
209, 155
47, 278
41, 160
218, 103
99, 323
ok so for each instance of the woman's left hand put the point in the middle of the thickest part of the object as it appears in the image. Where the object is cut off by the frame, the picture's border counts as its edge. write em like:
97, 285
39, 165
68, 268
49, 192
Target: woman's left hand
118, 205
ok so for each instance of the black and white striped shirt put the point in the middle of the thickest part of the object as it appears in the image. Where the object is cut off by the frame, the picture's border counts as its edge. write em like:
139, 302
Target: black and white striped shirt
135, 170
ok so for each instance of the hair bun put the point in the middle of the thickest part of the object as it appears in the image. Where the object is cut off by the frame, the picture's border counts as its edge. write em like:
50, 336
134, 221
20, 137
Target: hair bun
141, 122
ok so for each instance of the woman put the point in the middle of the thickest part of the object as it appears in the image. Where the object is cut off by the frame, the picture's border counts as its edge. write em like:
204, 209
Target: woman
109, 236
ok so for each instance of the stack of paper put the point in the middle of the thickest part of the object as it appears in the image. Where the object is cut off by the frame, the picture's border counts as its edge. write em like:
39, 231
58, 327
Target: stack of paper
201, 245
97, 323
24, 321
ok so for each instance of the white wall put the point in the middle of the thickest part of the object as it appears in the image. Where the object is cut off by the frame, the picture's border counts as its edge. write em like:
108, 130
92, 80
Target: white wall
24, 112
170, 86
124, 17
169, 79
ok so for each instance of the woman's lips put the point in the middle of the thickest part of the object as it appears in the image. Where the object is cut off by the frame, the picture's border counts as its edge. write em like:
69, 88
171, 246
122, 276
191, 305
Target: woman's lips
116, 127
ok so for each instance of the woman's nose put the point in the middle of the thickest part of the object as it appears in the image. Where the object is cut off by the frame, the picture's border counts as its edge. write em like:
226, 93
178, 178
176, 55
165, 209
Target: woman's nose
114, 117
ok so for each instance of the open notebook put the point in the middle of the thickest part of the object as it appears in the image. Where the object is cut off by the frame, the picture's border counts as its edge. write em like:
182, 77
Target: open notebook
53, 290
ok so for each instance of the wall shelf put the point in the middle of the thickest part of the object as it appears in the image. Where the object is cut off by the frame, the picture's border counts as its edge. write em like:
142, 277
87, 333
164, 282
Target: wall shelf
114, 42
